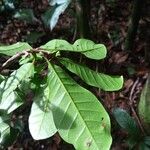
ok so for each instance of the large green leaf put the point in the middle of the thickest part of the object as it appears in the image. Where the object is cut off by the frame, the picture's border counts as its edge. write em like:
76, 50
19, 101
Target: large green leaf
51, 16
11, 102
84, 46
10, 84
11, 50
93, 78
78, 115
41, 123
144, 105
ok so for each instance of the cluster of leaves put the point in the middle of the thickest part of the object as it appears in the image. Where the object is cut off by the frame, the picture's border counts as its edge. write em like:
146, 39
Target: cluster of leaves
136, 139
59, 103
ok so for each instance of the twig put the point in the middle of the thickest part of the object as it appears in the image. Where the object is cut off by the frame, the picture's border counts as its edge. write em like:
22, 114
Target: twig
12, 59
18, 55
132, 108
132, 89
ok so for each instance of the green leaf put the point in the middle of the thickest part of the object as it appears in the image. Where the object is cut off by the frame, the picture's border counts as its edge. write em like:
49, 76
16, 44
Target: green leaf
1, 78
126, 122
12, 102
84, 46
81, 120
57, 45
147, 140
25, 15
143, 146
7, 134
9, 137
10, 84
144, 105
11, 50
26, 59
91, 50
93, 78
41, 123
51, 16
4, 129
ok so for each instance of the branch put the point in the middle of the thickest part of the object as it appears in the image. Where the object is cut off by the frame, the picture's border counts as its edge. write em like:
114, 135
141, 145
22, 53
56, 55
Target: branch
12, 59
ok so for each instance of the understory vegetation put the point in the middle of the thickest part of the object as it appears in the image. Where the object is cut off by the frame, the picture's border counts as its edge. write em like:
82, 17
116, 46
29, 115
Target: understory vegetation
74, 75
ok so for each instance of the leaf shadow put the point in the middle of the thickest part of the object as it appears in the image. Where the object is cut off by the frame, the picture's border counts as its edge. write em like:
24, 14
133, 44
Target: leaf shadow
7, 84
61, 119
